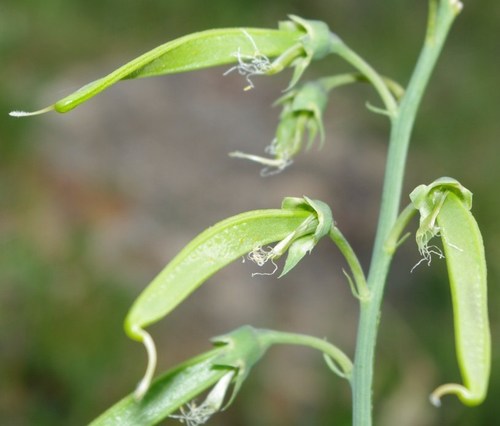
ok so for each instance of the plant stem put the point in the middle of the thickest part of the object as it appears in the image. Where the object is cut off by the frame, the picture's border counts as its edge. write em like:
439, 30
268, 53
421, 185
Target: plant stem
394, 239
360, 288
272, 337
441, 16
338, 80
371, 75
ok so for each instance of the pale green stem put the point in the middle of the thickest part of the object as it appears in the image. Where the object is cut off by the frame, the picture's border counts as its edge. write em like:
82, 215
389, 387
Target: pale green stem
345, 248
272, 337
394, 239
338, 80
441, 17
371, 75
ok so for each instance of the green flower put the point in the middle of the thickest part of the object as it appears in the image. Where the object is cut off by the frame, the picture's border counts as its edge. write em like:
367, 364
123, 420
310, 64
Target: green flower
300, 124
428, 200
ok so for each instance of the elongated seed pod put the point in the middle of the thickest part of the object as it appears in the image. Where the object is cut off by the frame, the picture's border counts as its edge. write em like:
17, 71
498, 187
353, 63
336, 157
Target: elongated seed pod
206, 254
465, 259
189, 53
192, 52
209, 252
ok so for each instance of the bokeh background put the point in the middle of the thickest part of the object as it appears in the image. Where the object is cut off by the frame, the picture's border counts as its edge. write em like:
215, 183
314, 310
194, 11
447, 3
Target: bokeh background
94, 203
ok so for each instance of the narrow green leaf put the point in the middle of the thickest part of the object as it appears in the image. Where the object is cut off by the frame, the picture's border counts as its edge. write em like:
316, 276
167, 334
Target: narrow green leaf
245, 349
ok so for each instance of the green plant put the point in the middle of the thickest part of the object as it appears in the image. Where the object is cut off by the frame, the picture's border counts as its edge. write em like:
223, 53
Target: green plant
444, 208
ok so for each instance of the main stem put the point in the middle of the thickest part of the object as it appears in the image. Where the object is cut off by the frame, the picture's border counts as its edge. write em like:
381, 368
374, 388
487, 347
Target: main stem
440, 19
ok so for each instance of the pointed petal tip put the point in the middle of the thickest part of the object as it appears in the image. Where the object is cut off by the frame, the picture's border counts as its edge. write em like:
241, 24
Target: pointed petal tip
18, 114
435, 400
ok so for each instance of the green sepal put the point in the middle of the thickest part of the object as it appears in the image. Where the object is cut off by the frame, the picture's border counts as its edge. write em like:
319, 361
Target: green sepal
317, 43
302, 109
301, 120
304, 245
296, 203
319, 208
243, 350
424, 197
324, 215
428, 200
297, 251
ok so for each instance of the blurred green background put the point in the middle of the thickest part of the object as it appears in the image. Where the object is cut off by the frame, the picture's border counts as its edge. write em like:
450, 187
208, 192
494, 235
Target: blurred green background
94, 203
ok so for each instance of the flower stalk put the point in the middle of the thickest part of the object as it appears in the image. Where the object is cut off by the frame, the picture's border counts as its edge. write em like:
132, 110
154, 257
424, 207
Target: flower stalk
441, 16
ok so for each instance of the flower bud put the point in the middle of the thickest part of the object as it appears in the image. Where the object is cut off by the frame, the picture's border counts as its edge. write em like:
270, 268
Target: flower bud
300, 123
